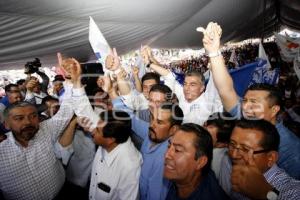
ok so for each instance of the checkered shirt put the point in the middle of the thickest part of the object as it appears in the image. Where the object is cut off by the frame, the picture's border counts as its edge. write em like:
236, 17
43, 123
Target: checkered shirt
288, 187
34, 172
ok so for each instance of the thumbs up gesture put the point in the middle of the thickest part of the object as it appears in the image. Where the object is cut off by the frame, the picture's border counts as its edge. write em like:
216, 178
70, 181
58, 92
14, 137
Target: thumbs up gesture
112, 61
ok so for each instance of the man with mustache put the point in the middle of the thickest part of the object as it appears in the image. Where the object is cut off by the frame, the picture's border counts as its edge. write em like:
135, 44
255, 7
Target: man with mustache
164, 121
28, 157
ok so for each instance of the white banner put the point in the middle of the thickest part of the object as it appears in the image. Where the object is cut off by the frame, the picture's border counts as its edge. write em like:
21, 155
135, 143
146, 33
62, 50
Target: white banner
288, 47
99, 44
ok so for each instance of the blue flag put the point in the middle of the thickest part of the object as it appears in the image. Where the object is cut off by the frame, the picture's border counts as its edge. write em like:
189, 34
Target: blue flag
242, 76
264, 74
256, 72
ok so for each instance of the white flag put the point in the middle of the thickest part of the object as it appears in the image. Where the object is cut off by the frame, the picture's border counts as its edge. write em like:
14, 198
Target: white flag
262, 54
233, 58
99, 44
139, 63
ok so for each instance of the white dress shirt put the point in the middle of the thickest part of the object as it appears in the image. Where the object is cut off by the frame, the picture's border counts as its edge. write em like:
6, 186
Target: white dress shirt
119, 170
34, 172
201, 108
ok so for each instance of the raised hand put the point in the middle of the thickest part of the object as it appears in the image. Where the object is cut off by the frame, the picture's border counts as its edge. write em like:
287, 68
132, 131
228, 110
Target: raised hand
99, 82
122, 74
112, 61
59, 68
73, 69
59, 59
105, 83
135, 71
211, 37
249, 180
76, 71
31, 84
146, 54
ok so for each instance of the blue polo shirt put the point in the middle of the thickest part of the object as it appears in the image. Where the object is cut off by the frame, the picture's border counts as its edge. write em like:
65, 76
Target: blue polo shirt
152, 184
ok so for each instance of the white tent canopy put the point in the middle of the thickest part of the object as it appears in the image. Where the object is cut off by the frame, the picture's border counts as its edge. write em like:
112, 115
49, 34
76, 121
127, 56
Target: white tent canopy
40, 28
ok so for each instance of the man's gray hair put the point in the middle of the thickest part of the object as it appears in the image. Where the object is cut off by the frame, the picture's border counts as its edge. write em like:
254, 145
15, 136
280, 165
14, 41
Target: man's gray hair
20, 104
197, 74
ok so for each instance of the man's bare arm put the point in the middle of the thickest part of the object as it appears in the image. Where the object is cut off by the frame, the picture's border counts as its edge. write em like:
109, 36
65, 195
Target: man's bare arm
222, 79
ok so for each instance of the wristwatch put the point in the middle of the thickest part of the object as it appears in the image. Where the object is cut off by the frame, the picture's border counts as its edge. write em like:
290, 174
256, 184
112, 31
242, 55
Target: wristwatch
214, 54
273, 194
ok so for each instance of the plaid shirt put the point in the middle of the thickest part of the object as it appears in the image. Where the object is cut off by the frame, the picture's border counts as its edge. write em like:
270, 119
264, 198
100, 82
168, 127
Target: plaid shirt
34, 172
288, 187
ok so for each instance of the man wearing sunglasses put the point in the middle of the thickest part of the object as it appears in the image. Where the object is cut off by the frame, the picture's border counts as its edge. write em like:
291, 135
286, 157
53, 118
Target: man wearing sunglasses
251, 171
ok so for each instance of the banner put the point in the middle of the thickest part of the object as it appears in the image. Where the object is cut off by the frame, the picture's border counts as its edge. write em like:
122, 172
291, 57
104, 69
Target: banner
98, 43
263, 74
288, 47
262, 54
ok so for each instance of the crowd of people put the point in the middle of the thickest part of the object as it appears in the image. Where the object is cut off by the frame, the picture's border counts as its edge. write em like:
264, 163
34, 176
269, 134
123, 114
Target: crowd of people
243, 54
151, 138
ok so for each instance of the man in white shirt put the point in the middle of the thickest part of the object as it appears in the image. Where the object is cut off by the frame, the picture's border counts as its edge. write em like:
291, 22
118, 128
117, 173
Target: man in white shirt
196, 102
117, 164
